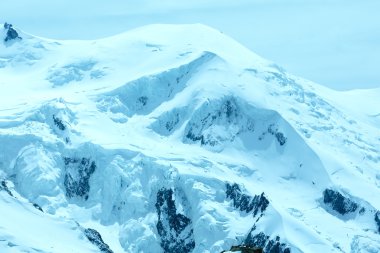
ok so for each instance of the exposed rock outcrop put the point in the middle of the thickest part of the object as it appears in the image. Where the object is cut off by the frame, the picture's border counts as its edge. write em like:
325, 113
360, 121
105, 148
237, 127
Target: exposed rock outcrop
95, 238
339, 203
280, 137
59, 123
174, 228
225, 114
78, 173
244, 249
38, 207
246, 203
263, 241
11, 34
256, 240
4, 187
377, 220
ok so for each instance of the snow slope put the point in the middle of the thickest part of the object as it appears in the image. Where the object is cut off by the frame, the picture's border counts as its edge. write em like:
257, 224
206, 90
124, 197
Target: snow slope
175, 138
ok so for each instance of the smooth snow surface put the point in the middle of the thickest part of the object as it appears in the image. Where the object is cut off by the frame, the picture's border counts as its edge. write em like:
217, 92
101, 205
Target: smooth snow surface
164, 138
333, 42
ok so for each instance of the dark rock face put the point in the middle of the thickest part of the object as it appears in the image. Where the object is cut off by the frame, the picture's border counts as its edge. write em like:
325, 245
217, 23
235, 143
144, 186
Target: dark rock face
257, 204
377, 220
37, 207
245, 249
280, 137
228, 113
191, 136
175, 229
95, 238
170, 121
7, 26
263, 241
170, 125
3, 186
246, 203
78, 173
58, 122
338, 202
143, 100
11, 33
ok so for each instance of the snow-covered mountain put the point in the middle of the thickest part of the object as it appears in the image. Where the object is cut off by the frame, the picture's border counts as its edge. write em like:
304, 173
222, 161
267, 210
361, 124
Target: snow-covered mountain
175, 138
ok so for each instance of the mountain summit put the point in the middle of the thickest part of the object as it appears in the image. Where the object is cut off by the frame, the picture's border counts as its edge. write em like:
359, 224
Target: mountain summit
175, 138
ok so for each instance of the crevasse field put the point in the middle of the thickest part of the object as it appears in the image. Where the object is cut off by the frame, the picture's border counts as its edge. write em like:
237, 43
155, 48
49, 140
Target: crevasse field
175, 138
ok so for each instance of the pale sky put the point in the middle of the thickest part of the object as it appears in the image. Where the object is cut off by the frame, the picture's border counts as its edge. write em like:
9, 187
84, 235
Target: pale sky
332, 42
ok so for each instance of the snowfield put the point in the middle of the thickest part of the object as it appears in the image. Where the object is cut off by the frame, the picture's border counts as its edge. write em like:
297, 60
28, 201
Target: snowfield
175, 138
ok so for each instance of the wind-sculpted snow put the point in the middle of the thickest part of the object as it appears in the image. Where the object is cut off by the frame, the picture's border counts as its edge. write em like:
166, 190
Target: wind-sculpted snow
178, 139
59, 117
223, 121
143, 95
226, 122
74, 72
169, 122
364, 244
26, 229
37, 174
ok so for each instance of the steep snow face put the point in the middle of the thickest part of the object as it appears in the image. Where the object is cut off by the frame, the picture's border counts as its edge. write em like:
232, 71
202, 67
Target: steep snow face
145, 94
24, 228
177, 139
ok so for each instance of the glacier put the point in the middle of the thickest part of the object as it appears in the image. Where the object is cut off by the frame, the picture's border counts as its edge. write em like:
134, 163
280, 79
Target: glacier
175, 138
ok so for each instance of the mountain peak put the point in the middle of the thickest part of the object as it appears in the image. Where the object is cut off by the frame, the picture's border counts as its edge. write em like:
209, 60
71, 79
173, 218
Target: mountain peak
180, 139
